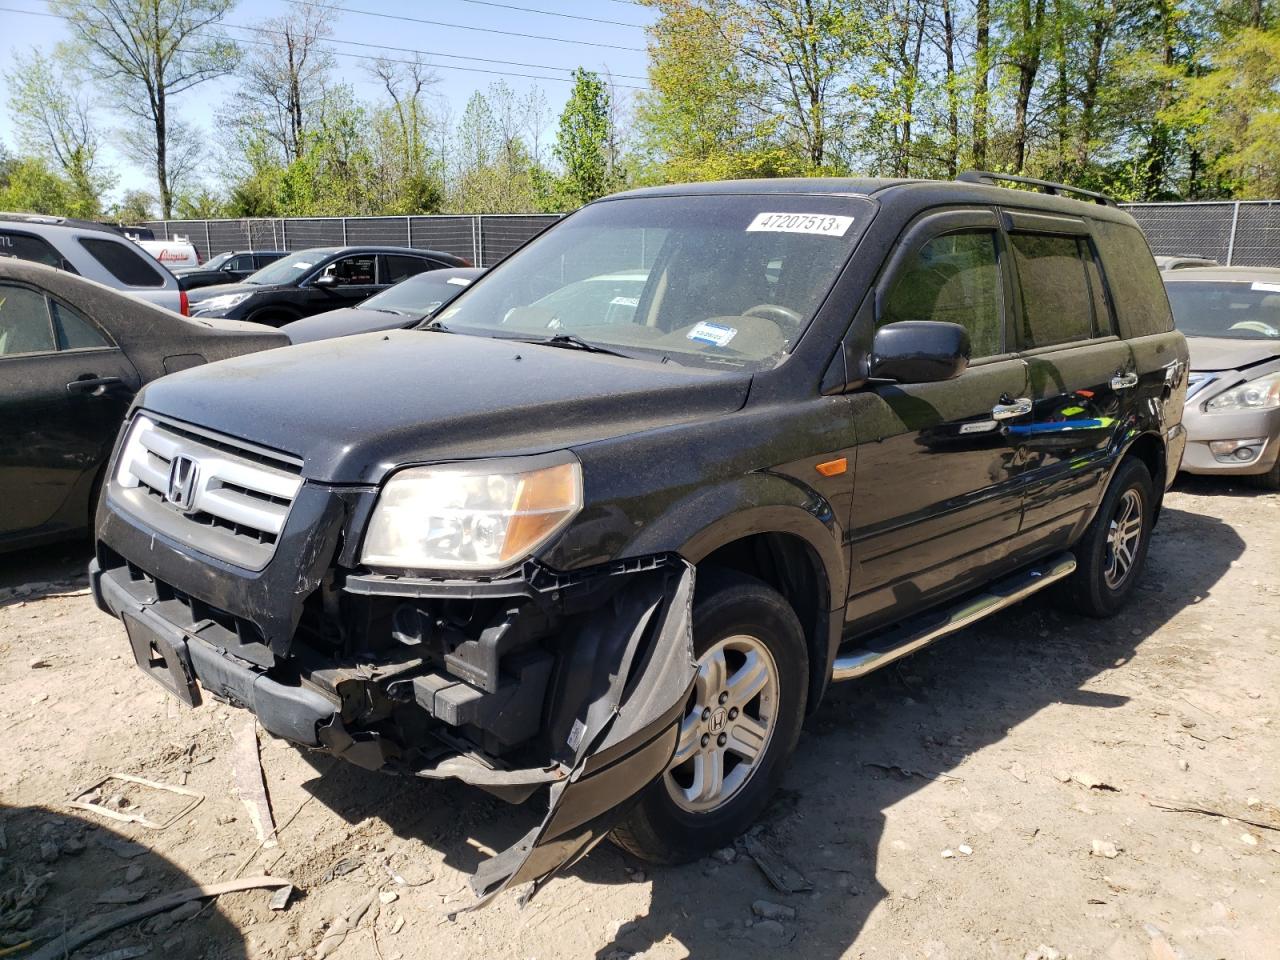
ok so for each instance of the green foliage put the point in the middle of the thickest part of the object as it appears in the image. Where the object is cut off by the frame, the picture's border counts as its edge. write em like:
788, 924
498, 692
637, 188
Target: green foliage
30, 186
582, 141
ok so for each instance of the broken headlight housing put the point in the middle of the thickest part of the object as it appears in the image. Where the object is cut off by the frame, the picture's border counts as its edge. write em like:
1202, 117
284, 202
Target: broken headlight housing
473, 517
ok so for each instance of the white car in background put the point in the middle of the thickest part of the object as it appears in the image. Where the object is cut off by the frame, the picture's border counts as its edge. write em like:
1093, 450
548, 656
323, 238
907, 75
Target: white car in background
174, 254
91, 250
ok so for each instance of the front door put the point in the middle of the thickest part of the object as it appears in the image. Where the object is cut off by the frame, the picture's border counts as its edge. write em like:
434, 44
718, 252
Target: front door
356, 279
937, 494
66, 391
1082, 375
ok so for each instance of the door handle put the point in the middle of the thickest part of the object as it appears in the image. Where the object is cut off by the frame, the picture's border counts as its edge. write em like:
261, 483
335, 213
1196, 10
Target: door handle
1014, 408
1124, 381
95, 386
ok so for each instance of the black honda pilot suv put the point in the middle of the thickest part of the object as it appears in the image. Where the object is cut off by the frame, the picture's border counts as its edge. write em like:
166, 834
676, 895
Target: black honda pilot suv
607, 527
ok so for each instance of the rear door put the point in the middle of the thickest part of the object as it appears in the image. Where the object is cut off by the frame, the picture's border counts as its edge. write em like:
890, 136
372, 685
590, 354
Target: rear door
66, 390
936, 487
1082, 374
357, 280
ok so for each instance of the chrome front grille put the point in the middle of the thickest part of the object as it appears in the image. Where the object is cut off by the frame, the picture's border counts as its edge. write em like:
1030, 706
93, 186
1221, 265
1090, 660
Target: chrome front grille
220, 496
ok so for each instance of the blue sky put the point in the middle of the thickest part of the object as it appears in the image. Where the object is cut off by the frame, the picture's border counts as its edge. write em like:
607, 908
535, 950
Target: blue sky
565, 46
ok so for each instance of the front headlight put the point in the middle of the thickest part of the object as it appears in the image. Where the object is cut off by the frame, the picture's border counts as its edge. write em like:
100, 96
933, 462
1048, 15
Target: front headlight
220, 303
471, 516
1260, 394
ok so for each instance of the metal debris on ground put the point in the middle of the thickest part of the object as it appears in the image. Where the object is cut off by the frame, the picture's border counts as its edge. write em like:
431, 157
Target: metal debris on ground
102, 810
775, 868
338, 930
280, 899
247, 767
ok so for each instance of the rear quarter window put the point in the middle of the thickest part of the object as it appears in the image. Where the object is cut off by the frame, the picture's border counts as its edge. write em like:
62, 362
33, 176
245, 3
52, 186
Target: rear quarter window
123, 262
1137, 292
25, 246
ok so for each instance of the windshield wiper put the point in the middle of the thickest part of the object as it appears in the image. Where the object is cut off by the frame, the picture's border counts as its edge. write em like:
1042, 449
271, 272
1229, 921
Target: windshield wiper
436, 325
571, 342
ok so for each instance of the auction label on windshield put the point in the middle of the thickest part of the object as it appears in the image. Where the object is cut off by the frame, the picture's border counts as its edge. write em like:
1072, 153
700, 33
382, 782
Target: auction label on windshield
822, 224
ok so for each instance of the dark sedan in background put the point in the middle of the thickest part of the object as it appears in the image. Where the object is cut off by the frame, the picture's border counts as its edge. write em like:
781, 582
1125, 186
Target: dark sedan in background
401, 306
314, 281
229, 267
72, 355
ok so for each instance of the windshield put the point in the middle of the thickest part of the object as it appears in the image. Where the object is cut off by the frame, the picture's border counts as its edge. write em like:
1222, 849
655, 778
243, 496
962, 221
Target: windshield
418, 296
213, 263
288, 269
699, 280
1235, 310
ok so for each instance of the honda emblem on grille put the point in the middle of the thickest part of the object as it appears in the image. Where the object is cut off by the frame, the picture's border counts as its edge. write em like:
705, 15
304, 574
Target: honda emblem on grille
183, 472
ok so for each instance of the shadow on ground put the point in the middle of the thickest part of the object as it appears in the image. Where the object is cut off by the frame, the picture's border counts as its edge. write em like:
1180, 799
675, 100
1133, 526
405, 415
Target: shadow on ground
44, 571
56, 870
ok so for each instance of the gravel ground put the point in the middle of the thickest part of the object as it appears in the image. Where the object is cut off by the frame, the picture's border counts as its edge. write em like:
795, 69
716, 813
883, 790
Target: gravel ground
1001, 795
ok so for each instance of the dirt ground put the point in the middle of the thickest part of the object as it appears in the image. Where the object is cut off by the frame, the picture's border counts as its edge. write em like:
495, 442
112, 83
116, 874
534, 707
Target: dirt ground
991, 797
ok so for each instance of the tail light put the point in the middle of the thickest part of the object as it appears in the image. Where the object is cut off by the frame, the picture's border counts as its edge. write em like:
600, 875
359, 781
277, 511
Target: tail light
184, 305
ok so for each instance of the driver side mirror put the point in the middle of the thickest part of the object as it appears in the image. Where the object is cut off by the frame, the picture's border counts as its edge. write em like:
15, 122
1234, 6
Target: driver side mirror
919, 351
325, 280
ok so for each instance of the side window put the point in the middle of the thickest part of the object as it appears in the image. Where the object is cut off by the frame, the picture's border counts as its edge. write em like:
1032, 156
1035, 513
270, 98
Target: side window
260, 260
1057, 301
397, 268
353, 271
24, 322
74, 331
1102, 312
955, 278
243, 263
123, 261
25, 246
1141, 306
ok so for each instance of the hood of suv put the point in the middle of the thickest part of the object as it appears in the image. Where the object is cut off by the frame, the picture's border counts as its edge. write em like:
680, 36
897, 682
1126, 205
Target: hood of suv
357, 407
1210, 354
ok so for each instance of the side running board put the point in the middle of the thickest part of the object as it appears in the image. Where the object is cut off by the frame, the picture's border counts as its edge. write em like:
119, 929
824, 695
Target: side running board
915, 634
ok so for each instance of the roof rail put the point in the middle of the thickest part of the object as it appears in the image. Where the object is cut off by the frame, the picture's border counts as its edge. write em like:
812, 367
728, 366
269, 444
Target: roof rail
1045, 186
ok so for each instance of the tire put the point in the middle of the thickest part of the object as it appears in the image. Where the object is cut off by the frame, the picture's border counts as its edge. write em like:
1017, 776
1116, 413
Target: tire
1102, 583
737, 620
1269, 480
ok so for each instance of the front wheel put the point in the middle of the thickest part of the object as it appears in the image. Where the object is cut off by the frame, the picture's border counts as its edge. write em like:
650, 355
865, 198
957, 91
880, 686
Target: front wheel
740, 725
1111, 554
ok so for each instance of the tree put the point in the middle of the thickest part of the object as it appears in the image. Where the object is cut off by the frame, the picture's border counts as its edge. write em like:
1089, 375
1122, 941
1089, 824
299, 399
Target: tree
583, 139
148, 52
1233, 111
286, 79
30, 186
54, 121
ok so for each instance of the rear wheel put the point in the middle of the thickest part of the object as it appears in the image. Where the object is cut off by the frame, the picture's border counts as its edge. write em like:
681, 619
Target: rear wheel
740, 725
1111, 554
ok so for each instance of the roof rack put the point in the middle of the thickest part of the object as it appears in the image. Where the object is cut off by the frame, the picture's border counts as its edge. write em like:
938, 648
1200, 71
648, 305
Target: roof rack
1045, 186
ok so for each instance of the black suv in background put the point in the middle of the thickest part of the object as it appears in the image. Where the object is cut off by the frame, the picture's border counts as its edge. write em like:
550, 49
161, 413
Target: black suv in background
618, 547
229, 267
312, 281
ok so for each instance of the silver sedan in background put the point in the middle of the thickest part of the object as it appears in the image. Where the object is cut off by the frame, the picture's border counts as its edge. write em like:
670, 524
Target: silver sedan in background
1231, 318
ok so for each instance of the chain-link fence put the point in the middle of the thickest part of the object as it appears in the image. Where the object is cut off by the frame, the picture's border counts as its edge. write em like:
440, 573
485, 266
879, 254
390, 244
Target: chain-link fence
483, 239
1234, 232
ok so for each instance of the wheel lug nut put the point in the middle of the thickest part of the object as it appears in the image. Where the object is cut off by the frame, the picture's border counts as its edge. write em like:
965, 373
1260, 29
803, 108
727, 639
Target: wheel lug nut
706, 738
733, 713
721, 740
706, 713
724, 696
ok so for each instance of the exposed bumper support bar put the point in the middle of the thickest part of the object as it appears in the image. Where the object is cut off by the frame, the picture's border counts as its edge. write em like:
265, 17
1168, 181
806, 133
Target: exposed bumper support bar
917, 634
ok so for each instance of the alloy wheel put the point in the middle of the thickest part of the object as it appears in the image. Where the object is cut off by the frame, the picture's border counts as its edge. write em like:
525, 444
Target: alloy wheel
727, 728
1124, 536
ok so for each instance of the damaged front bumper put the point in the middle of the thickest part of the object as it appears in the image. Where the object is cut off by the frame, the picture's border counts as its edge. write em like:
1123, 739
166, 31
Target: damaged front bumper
577, 682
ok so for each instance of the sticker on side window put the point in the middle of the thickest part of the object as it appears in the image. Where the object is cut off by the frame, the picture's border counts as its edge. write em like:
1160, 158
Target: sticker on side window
821, 224
1259, 287
459, 281
716, 334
